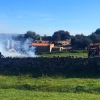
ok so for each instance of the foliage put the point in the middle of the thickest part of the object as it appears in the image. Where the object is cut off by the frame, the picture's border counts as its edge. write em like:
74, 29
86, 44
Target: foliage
86, 41
97, 31
95, 37
47, 38
60, 35
77, 41
80, 41
31, 34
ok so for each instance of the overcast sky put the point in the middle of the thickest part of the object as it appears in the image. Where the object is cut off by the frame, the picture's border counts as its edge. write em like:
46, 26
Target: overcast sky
48, 16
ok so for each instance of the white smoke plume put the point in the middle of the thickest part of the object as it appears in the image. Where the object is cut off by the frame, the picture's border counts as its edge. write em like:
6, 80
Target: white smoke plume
12, 48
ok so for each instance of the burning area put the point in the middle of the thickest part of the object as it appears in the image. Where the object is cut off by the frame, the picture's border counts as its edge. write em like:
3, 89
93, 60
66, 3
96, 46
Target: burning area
10, 47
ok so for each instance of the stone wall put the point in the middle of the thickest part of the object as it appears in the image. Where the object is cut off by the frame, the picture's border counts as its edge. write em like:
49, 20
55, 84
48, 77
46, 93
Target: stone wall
51, 66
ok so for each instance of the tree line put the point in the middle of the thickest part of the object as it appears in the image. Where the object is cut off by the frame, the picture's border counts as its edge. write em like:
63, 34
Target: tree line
79, 40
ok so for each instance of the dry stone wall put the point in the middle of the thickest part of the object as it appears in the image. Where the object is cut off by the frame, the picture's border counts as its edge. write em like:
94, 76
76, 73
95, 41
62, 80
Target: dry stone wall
56, 65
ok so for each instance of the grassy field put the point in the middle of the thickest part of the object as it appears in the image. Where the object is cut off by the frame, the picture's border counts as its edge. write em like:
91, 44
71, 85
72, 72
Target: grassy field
26, 87
48, 88
12, 94
76, 53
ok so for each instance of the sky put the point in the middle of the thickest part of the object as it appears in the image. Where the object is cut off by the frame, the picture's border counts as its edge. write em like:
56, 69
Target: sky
48, 16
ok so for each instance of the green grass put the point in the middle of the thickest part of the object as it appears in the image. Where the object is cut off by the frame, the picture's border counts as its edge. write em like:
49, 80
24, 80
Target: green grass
12, 94
76, 53
49, 84
48, 88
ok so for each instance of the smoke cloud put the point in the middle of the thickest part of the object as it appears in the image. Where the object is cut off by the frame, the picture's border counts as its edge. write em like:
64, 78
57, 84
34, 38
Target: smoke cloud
13, 48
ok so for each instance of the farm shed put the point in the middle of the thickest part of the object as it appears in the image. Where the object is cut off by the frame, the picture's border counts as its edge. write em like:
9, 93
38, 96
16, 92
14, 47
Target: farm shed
43, 47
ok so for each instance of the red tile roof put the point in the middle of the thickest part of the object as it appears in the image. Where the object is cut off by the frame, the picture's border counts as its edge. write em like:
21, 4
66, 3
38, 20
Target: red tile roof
41, 44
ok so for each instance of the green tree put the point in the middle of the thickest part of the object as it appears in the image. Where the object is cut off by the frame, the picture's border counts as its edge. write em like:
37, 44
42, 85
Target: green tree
60, 35
31, 34
86, 41
77, 40
95, 37
97, 31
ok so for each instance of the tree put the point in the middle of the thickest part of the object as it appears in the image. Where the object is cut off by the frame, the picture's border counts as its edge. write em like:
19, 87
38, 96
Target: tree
65, 35
47, 38
77, 40
61, 35
79, 36
97, 31
56, 37
95, 37
86, 41
31, 34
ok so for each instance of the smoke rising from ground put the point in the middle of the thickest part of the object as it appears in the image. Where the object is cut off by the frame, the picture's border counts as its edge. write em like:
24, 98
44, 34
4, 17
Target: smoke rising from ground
14, 48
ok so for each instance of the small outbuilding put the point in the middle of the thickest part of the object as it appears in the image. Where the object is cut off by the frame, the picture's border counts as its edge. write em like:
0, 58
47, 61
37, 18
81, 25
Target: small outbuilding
42, 47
